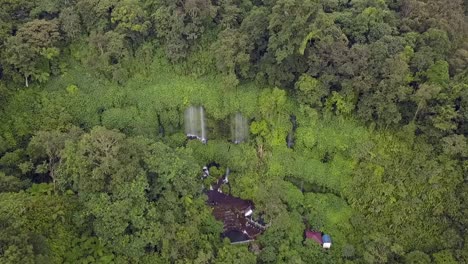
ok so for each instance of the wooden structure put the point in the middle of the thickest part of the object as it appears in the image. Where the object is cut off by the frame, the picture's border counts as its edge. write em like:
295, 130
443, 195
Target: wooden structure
235, 213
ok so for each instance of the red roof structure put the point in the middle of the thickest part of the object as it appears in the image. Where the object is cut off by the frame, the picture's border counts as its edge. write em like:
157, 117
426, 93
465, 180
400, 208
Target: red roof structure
317, 236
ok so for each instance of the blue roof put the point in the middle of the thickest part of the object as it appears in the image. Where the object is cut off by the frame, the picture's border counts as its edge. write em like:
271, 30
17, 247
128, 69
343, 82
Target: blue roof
326, 238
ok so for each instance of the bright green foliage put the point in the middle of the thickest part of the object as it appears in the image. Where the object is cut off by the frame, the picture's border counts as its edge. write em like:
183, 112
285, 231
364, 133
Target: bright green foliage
340, 104
439, 73
370, 25
423, 173
36, 227
370, 95
329, 212
118, 118
235, 255
311, 90
130, 18
444, 256
273, 126
117, 191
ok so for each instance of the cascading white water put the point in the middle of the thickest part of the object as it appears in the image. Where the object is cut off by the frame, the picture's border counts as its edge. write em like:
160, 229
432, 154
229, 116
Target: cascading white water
190, 123
239, 129
195, 125
202, 125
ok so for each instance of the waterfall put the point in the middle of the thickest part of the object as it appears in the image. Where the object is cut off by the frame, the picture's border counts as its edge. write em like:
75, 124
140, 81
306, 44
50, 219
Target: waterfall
226, 176
189, 123
202, 125
195, 126
239, 129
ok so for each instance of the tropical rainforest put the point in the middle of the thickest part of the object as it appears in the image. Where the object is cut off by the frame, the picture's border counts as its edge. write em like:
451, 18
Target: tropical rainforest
95, 166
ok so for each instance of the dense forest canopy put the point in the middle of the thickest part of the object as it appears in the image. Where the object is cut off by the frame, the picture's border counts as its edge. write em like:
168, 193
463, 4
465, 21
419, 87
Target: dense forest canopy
95, 166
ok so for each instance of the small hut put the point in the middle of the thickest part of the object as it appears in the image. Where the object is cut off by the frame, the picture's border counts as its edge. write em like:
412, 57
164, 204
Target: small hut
319, 237
326, 241
316, 236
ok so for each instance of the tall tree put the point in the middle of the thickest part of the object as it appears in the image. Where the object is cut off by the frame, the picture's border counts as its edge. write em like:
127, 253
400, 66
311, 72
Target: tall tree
32, 49
46, 149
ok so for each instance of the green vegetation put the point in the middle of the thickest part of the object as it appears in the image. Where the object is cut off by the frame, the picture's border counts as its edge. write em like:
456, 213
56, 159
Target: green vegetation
95, 166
